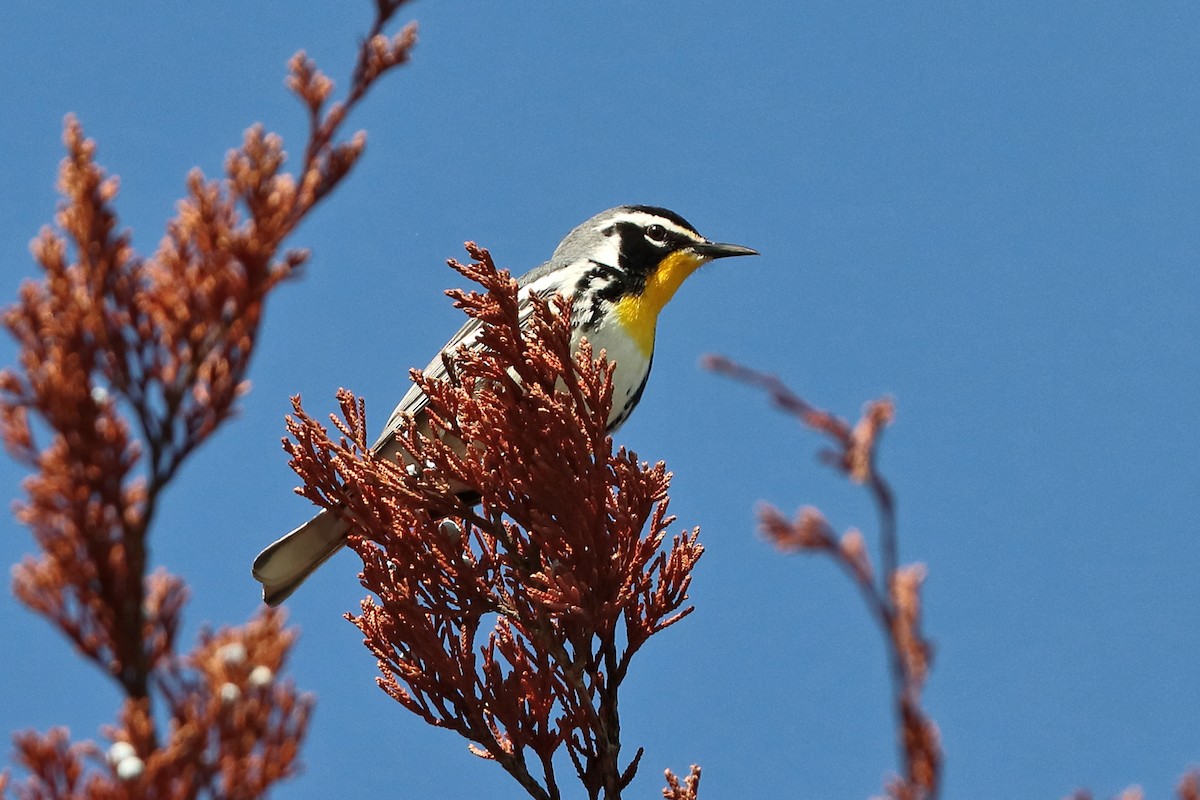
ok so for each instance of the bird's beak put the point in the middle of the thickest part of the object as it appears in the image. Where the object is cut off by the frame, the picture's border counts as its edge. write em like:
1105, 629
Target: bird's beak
720, 250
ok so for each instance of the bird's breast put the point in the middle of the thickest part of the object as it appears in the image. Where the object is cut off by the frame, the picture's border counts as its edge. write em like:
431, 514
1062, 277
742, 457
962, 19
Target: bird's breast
631, 365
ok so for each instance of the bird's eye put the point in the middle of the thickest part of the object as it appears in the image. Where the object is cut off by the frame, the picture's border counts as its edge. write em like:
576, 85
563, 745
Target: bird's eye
656, 233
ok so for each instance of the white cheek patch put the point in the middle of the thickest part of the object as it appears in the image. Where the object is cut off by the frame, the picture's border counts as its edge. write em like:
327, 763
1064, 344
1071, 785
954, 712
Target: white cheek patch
561, 280
608, 252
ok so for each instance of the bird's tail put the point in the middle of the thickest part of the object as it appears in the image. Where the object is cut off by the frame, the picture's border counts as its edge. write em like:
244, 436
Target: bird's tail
286, 563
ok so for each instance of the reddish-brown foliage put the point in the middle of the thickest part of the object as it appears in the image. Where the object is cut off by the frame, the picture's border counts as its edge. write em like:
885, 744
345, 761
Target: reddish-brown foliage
126, 365
1187, 789
234, 729
894, 597
514, 622
683, 791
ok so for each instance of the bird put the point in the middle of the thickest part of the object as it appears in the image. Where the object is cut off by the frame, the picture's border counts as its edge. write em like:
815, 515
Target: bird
620, 268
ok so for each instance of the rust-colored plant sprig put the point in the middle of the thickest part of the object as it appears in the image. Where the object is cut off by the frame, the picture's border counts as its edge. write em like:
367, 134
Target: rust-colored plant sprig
1188, 788
514, 621
685, 790
893, 595
125, 366
234, 728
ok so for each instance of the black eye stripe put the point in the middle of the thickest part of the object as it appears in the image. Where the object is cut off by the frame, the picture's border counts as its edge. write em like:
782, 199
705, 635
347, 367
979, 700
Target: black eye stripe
662, 213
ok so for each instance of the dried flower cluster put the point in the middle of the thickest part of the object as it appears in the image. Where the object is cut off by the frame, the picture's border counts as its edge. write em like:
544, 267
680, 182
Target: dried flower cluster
894, 597
687, 790
1187, 789
126, 366
233, 729
512, 622
1132, 793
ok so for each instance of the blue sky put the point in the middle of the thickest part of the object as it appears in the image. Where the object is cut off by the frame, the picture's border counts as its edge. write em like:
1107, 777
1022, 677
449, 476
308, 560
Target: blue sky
991, 216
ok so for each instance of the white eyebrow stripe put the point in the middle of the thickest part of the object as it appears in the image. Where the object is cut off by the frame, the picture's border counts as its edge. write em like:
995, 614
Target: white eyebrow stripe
642, 219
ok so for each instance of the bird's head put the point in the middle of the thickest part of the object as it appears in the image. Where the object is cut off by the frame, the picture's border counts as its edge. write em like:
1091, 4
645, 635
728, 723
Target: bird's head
640, 255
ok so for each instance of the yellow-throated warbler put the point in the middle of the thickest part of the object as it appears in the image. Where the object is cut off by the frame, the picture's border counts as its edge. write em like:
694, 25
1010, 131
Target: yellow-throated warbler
621, 267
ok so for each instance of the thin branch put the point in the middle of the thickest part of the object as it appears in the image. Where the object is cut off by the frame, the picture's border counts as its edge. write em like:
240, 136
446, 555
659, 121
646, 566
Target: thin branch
894, 599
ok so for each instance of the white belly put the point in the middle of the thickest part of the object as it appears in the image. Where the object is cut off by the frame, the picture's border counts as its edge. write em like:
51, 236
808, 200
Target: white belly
629, 374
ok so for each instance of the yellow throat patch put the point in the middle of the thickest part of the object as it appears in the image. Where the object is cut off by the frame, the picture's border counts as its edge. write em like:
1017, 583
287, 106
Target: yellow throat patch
638, 315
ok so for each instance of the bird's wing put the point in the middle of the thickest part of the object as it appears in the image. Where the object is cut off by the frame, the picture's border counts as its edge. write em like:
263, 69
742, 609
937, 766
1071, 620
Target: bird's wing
414, 400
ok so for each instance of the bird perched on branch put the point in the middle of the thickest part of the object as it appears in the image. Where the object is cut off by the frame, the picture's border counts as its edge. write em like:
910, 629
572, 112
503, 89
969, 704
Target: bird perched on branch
620, 267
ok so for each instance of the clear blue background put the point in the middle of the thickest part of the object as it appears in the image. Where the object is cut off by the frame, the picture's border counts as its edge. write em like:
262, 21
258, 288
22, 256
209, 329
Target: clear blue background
990, 215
